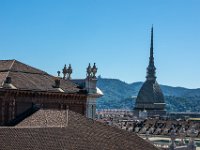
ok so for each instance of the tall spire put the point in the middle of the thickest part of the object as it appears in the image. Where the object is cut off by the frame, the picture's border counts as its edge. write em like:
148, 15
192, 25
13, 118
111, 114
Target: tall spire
151, 69
151, 49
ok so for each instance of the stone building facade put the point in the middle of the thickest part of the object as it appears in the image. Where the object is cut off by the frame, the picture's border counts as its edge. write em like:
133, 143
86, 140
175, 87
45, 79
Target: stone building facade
25, 89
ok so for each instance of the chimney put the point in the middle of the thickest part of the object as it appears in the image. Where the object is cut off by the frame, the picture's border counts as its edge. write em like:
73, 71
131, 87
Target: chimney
8, 80
57, 83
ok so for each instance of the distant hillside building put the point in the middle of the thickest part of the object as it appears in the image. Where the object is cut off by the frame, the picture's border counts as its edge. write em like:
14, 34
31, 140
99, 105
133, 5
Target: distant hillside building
150, 97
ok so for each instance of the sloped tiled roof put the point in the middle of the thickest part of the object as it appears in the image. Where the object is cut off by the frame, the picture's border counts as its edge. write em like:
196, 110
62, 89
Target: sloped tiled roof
25, 77
14, 65
43, 131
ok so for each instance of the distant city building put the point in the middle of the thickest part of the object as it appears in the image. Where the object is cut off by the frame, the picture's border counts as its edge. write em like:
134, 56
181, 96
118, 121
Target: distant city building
183, 115
150, 96
113, 113
143, 114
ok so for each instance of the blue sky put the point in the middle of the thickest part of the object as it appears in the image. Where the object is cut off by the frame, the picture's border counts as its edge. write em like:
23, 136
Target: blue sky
113, 33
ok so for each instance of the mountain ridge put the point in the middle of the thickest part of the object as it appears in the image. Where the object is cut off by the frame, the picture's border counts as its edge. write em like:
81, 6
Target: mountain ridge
163, 87
119, 94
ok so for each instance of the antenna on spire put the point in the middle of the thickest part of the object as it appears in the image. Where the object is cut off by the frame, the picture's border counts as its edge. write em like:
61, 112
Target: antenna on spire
151, 49
151, 68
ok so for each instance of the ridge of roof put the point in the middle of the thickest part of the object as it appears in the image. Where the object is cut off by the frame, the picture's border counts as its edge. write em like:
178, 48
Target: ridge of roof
17, 66
29, 78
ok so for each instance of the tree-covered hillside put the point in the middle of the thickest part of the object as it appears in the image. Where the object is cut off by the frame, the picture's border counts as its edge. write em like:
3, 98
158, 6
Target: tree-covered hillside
118, 94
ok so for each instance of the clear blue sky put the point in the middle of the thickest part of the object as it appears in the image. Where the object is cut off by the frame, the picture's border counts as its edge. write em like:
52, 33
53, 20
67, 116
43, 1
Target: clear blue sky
113, 33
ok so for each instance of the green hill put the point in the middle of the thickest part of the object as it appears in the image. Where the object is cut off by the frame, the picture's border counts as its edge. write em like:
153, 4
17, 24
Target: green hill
119, 94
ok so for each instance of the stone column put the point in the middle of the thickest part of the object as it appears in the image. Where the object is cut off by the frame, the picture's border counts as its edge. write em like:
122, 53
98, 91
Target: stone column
91, 108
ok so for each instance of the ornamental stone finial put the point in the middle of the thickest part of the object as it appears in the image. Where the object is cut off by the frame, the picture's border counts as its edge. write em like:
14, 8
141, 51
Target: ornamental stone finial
64, 72
58, 72
94, 70
69, 71
89, 70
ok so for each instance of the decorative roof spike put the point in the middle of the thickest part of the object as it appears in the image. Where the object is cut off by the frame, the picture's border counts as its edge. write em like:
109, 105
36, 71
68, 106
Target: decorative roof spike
89, 70
64, 72
69, 71
94, 70
151, 69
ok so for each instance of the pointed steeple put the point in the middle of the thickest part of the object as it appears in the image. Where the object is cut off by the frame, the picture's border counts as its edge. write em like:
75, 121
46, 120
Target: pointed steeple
151, 69
151, 48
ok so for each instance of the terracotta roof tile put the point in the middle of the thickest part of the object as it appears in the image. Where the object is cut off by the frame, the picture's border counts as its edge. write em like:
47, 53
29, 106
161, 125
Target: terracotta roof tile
5, 64
3, 76
14, 65
79, 133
